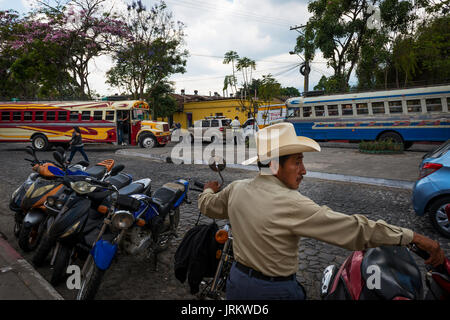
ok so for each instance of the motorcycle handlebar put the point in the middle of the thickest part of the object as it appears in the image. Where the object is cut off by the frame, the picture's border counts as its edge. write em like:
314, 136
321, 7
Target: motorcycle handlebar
199, 184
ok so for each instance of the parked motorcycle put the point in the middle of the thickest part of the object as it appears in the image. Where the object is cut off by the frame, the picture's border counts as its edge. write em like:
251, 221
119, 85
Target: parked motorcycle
215, 288
33, 211
137, 224
67, 210
385, 273
27, 201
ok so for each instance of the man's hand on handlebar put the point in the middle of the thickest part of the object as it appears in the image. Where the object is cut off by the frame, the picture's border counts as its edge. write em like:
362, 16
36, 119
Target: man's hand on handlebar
214, 185
433, 248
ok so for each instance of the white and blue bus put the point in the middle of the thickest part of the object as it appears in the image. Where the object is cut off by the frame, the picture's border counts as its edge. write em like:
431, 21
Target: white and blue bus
405, 116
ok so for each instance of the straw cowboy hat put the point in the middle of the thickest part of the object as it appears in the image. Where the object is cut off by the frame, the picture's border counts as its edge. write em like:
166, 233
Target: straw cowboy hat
280, 140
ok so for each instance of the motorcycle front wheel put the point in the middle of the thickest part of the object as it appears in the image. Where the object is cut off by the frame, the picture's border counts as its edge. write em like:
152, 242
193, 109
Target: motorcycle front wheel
91, 282
62, 261
29, 237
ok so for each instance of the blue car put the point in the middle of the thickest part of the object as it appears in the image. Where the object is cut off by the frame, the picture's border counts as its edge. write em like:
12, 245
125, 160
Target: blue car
431, 192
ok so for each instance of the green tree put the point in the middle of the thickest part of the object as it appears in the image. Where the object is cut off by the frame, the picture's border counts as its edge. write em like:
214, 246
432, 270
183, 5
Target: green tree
153, 53
289, 92
162, 104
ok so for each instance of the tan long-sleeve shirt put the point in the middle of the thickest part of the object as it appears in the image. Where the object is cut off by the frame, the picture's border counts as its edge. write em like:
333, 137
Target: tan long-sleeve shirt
268, 219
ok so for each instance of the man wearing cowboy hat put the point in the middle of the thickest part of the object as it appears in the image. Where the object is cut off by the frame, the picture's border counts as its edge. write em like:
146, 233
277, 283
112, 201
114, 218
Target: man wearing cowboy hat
269, 216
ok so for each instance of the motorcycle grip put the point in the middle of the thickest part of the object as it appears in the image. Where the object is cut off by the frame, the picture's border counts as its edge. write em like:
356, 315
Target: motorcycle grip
199, 184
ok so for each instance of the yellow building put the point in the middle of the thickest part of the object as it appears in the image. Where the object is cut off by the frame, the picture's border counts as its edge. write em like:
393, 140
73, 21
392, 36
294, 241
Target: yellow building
200, 107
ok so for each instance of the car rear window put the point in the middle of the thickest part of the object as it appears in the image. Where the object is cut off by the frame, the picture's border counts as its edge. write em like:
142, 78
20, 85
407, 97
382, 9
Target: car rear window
440, 151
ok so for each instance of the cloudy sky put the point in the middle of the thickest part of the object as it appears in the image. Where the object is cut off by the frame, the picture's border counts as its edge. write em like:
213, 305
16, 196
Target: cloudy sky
258, 29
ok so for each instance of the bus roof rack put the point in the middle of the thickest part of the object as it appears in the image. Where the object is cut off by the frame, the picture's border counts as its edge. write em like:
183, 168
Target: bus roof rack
315, 93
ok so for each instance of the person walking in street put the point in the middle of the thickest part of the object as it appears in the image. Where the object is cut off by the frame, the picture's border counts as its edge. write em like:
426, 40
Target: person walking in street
236, 127
121, 123
269, 216
76, 144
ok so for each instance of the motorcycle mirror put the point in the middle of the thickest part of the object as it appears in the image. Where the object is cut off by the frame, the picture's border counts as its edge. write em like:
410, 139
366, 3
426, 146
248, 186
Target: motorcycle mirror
117, 169
217, 163
59, 158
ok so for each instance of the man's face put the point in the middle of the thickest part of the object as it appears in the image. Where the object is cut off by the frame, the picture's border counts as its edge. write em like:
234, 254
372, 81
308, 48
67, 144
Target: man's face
292, 171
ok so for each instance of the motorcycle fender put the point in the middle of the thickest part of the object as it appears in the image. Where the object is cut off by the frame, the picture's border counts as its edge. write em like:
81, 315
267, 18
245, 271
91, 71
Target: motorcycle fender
103, 253
34, 217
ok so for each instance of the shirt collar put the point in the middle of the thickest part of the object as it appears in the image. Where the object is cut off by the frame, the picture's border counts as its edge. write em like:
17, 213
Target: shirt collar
271, 179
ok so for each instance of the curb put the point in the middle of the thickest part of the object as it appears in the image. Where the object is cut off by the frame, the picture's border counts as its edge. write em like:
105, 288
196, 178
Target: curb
16, 274
400, 184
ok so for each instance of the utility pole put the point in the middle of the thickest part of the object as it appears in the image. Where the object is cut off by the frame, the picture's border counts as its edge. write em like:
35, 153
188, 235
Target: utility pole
304, 68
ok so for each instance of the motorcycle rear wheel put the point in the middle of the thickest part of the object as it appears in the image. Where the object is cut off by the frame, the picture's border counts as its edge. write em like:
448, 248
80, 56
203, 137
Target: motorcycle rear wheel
91, 282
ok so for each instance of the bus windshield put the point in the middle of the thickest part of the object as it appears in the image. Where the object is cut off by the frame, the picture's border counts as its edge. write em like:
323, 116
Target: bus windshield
141, 114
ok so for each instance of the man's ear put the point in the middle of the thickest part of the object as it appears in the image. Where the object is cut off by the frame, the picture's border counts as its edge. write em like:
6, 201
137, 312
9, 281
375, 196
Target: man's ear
274, 166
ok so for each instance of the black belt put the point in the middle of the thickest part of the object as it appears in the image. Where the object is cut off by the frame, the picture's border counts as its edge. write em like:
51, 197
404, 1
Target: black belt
256, 274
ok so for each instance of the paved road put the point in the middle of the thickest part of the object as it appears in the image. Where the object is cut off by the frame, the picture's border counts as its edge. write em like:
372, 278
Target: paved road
132, 278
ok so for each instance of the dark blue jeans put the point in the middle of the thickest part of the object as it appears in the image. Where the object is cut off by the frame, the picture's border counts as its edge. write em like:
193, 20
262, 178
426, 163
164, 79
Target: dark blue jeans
241, 286
79, 149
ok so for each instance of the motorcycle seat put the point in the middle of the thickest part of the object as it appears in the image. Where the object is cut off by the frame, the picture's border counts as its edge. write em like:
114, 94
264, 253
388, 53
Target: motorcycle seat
120, 180
166, 196
132, 188
96, 171
399, 274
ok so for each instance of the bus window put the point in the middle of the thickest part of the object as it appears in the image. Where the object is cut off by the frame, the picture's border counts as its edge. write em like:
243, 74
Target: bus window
62, 115
333, 110
39, 116
395, 107
17, 116
377, 107
361, 108
347, 110
413, 106
28, 116
85, 115
306, 112
74, 115
320, 111
51, 115
98, 115
110, 115
434, 105
6, 116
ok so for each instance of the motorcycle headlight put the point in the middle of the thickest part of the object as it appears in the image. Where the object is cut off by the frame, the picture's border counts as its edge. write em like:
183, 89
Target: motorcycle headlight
82, 187
51, 201
59, 204
122, 219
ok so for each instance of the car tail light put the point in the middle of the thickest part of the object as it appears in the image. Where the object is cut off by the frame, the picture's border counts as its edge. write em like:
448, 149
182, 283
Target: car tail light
221, 129
428, 168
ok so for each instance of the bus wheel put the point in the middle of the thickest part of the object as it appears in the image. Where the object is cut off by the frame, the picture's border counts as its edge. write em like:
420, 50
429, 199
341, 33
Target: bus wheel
148, 141
40, 142
395, 137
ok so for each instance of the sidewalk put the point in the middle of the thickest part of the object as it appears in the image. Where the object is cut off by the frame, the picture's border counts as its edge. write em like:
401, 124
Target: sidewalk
332, 163
19, 280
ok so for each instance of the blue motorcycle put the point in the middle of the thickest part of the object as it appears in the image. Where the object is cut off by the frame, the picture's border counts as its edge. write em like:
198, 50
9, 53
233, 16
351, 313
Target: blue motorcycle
138, 224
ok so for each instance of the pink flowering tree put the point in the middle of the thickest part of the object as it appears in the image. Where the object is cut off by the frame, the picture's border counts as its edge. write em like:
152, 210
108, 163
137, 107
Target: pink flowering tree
85, 29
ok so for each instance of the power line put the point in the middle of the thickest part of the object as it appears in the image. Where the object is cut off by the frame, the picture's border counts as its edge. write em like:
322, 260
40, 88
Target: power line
234, 15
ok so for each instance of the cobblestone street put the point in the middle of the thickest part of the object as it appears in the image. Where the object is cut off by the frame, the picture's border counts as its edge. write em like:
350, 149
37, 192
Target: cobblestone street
131, 277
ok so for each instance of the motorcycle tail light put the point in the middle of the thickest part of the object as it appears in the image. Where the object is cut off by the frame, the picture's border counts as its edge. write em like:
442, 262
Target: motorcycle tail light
218, 254
221, 236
